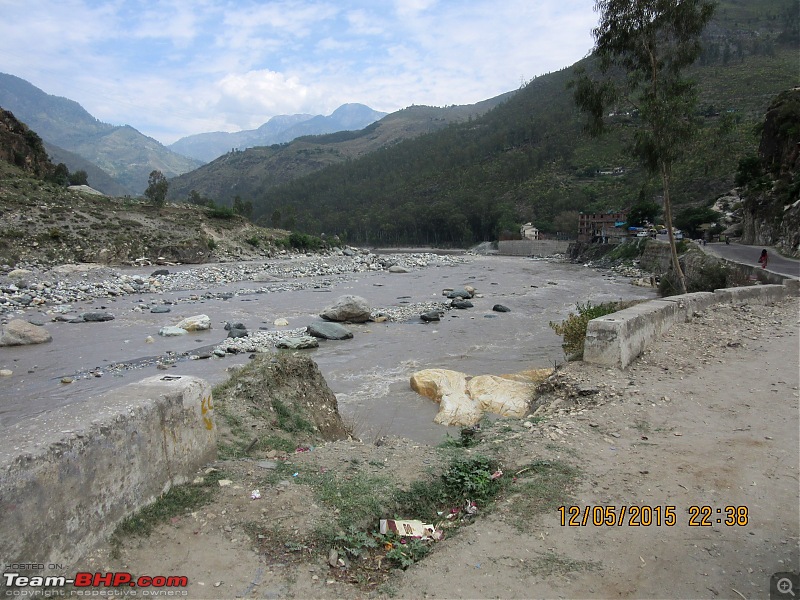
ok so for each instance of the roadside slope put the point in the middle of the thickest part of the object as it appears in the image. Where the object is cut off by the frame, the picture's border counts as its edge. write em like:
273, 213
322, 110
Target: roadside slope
707, 417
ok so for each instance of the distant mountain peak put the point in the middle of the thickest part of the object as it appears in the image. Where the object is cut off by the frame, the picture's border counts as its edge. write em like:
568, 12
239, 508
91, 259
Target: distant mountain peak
279, 129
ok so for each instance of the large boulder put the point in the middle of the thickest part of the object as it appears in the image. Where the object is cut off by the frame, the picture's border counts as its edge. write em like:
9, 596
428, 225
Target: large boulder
171, 331
297, 343
21, 333
94, 317
195, 323
463, 399
501, 396
348, 308
431, 316
329, 331
449, 389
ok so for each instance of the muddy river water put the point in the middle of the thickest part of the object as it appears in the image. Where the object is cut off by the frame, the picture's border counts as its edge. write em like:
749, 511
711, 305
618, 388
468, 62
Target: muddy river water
369, 374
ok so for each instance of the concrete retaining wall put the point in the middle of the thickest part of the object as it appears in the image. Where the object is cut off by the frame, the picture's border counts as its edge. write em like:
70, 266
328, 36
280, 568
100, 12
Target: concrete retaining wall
67, 478
532, 247
656, 257
615, 340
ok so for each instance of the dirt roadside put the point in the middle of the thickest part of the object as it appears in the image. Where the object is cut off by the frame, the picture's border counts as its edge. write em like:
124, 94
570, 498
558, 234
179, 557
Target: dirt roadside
708, 416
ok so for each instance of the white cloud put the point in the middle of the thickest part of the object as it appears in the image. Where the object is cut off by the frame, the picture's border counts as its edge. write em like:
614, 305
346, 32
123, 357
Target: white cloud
174, 68
250, 99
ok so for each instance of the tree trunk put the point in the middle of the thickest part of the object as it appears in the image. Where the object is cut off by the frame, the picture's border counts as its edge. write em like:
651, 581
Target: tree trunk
676, 265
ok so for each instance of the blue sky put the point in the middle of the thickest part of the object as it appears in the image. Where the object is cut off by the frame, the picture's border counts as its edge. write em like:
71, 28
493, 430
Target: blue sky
177, 67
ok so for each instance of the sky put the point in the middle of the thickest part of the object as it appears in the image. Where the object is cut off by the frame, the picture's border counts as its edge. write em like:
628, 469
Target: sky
172, 68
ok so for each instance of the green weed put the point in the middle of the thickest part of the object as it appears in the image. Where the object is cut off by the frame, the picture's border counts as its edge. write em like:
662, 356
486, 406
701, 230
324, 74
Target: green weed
406, 551
177, 501
573, 328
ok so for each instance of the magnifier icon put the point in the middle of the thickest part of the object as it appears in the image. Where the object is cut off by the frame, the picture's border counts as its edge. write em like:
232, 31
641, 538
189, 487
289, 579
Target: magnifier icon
785, 586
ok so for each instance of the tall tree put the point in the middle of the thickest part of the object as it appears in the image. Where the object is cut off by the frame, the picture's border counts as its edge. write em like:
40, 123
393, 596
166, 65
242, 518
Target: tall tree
157, 187
643, 47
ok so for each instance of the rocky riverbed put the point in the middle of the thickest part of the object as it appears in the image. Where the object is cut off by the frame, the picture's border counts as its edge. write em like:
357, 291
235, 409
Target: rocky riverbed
105, 324
30, 286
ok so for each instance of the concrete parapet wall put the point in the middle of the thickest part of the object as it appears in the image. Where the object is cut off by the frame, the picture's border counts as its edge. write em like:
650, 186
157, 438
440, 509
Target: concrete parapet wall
694, 302
69, 477
532, 247
615, 340
753, 293
792, 287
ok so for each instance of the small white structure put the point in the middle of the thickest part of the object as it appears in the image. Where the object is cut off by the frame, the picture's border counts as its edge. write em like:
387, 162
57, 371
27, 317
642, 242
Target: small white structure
529, 232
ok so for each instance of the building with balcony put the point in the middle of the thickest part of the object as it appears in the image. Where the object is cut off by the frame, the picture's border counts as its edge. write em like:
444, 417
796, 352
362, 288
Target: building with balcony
602, 228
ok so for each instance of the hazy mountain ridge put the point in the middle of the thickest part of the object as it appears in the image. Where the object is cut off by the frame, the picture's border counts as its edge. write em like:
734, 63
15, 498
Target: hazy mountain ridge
124, 153
99, 179
279, 129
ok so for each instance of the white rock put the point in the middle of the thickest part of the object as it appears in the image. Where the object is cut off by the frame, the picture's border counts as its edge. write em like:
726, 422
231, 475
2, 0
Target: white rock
449, 389
195, 323
172, 331
501, 396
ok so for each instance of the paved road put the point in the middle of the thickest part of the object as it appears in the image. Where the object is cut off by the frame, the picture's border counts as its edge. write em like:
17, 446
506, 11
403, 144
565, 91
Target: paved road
749, 255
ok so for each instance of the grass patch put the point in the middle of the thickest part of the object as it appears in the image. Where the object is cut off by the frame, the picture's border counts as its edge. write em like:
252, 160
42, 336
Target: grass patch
177, 501
290, 420
357, 500
541, 486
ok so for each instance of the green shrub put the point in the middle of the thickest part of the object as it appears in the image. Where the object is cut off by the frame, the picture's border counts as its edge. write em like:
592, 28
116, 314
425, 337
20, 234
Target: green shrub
573, 328
629, 249
706, 278
220, 212
301, 241
471, 479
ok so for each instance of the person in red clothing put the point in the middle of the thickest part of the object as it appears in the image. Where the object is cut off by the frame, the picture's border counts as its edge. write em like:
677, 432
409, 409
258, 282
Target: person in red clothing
763, 259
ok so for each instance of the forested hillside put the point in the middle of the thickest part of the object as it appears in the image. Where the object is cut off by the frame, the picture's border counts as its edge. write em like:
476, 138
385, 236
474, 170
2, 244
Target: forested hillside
252, 172
529, 160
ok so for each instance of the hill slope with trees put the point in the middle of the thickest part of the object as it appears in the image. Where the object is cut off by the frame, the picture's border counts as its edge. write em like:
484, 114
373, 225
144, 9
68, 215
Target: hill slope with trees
528, 159
123, 153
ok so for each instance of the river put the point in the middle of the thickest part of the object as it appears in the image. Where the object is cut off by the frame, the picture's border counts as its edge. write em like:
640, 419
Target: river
369, 374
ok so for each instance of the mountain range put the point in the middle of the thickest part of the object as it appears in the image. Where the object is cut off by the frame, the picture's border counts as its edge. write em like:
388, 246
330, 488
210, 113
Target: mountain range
125, 155
118, 159
279, 129
460, 174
